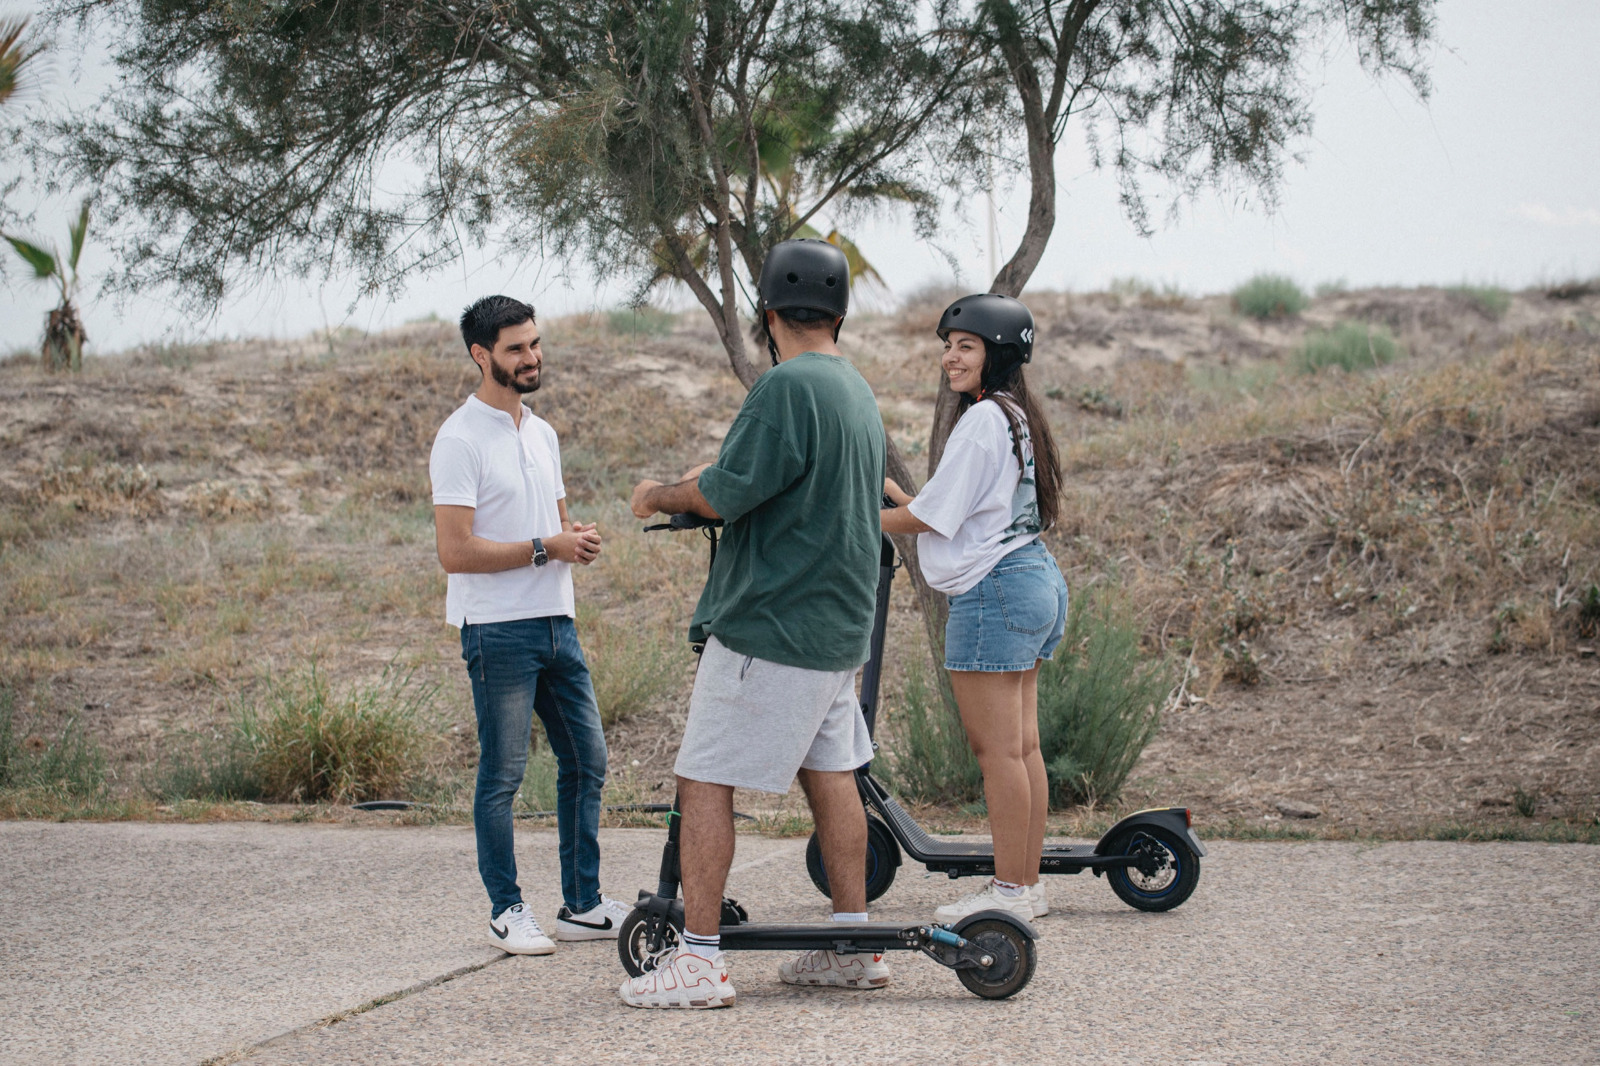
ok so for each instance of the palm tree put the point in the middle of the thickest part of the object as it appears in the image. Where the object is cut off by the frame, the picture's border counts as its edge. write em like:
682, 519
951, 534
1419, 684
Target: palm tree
63, 332
14, 55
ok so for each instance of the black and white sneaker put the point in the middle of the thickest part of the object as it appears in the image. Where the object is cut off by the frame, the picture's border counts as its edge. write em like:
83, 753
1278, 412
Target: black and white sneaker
517, 932
603, 922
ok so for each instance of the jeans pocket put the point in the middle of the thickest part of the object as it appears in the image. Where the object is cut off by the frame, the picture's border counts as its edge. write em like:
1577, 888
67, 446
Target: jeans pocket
1028, 604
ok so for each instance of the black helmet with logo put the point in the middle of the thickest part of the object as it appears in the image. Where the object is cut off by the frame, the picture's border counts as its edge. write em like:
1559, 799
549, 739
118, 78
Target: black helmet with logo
806, 274
999, 320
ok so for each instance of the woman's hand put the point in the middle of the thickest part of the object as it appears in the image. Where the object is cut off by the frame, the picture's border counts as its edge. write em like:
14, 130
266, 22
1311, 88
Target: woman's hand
895, 492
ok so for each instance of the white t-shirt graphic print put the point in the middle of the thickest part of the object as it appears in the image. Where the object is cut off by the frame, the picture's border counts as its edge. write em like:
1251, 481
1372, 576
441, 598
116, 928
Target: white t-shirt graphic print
980, 506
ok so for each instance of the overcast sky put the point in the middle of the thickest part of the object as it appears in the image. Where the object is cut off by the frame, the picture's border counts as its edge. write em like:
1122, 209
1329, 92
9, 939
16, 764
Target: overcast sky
1495, 180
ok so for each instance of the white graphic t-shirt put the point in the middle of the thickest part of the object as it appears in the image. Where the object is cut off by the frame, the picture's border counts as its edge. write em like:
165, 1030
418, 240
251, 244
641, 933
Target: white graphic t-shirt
980, 505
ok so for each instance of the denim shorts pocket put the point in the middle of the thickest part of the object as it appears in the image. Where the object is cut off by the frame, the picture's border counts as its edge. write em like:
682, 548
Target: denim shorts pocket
1028, 601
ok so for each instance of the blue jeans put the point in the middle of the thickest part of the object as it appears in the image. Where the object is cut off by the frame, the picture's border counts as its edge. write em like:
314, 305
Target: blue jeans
519, 668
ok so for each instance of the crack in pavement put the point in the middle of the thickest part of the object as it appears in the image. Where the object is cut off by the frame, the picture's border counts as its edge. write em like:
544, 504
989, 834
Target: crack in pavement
240, 1054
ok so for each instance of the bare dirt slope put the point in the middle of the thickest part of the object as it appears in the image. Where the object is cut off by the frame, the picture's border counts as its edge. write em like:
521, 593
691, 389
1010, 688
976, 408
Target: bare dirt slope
1374, 582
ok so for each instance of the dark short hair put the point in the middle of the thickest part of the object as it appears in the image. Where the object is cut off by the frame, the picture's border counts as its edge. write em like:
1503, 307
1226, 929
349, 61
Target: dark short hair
482, 322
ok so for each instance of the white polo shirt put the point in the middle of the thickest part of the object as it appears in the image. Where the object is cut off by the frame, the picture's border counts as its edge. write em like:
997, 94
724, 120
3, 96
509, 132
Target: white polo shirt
511, 476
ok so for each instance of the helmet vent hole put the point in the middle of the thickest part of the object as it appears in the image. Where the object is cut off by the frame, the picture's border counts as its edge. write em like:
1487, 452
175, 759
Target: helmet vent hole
794, 279
954, 311
831, 280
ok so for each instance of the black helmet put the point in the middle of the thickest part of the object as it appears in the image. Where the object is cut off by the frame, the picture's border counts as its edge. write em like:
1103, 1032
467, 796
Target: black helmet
807, 273
999, 320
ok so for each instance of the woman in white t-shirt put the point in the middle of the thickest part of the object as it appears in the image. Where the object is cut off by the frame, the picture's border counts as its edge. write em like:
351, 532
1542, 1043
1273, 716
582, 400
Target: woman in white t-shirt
978, 521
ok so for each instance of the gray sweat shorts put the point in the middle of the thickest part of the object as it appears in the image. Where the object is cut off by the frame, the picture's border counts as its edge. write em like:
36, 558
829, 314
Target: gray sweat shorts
755, 724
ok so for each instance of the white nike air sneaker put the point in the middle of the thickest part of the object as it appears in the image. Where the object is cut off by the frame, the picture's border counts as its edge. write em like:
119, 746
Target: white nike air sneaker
687, 982
602, 922
1041, 902
989, 899
517, 931
822, 967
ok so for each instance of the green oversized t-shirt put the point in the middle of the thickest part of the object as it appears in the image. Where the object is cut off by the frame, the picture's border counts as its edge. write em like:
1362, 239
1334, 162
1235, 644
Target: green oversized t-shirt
798, 482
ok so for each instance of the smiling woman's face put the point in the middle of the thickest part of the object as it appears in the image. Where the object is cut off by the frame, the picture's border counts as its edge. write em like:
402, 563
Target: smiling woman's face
963, 361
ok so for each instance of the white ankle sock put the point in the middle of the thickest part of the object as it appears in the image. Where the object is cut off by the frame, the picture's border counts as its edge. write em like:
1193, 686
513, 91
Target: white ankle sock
1007, 890
849, 916
704, 946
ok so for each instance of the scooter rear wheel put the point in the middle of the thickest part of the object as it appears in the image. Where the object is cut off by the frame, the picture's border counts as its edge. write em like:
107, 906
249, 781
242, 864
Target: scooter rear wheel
883, 856
633, 942
1170, 869
1013, 954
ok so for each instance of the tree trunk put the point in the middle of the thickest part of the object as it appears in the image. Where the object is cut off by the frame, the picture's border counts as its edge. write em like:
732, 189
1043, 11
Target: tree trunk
935, 607
63, 339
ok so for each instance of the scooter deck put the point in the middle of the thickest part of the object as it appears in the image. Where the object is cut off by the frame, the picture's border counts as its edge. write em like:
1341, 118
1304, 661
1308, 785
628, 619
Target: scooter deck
842, 937
971, 857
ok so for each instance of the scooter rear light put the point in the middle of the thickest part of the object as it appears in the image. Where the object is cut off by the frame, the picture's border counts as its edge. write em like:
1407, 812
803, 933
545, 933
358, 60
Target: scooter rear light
1188, 822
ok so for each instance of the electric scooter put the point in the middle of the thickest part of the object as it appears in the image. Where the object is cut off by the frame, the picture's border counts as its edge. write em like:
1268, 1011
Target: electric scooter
1151, 858
991, 951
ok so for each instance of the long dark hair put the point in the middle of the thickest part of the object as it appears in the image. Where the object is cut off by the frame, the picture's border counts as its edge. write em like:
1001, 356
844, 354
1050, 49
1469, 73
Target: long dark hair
1005, 383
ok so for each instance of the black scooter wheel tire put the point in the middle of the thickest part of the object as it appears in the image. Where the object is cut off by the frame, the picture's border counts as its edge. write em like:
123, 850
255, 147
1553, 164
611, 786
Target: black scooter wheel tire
633, 943
883, 856
1173, 869
1013, 954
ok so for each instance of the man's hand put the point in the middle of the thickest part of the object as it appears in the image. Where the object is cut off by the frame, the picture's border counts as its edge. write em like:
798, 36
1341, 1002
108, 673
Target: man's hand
892, 490
641, 493
580, 545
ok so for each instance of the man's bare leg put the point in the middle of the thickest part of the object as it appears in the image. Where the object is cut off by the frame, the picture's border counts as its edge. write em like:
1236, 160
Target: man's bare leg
705, 852
842, 832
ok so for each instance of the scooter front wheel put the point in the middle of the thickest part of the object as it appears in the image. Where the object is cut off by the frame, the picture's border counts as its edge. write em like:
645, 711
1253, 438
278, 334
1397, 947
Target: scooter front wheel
883, 856
1012, 956
633, 941
1165, 874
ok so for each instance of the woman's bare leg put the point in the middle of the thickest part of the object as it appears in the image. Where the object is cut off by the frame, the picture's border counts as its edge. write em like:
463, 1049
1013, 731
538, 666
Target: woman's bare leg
991, 712
1038, 783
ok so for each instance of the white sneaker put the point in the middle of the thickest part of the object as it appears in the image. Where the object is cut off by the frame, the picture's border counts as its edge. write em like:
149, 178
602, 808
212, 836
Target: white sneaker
821, 967
687, 981
601, 922
1041, 902
517, 932
989, 899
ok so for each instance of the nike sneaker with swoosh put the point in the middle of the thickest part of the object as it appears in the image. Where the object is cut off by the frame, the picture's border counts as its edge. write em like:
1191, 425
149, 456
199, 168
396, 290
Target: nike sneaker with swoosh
516, 931
602, 922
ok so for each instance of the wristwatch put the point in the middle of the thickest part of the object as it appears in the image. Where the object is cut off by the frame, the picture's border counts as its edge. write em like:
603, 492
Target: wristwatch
540, 556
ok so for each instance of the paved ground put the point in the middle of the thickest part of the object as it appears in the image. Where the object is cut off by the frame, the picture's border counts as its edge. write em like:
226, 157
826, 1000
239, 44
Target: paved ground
178, 944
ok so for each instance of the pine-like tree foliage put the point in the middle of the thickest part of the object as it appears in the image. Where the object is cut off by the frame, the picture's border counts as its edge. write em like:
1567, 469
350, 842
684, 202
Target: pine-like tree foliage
679, 138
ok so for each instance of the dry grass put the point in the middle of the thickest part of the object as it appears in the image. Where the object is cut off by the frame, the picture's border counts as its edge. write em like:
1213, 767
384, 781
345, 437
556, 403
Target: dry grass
1361, 571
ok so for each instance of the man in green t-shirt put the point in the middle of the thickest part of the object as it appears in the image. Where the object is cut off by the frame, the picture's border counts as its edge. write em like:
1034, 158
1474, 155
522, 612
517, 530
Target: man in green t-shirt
786, 616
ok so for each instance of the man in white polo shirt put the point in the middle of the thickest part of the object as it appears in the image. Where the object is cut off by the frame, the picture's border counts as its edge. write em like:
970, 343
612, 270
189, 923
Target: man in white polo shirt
505, 539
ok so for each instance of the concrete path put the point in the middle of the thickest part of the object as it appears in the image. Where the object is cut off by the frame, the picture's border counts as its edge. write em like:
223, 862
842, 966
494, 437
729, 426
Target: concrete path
183, 944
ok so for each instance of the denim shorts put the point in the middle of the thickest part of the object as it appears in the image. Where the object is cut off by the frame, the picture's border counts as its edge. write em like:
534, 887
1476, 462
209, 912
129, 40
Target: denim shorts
1012, 618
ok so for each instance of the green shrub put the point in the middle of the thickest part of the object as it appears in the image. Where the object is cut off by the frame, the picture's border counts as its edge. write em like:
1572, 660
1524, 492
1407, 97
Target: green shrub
538, 792
1337, 287
1349, 345
643, 321
215, 766
68, 765
932, 763
1099, 702
1492, 301
302, 740
1269, 296
631, 666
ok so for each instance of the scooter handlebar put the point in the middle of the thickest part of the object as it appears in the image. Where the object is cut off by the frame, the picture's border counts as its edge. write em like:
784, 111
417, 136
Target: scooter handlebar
686, 520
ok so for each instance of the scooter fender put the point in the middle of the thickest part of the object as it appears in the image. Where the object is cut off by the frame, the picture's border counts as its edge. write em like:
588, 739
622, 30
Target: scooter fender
997, 916
1174, 820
